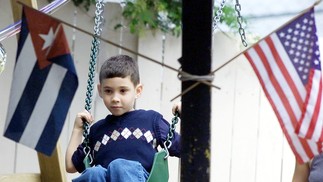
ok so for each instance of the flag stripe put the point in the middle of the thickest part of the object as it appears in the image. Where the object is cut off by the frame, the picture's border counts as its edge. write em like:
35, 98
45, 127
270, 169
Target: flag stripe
56, 120
22, 71
43, 106
274, 73
308, 124
300, 147
290, 75
26, 103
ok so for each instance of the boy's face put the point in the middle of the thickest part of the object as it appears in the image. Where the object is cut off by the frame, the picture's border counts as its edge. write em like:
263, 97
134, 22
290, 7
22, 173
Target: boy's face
119, 94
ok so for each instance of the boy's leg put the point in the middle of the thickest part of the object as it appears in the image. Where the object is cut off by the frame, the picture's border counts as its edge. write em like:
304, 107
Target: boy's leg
122, 170
93, 174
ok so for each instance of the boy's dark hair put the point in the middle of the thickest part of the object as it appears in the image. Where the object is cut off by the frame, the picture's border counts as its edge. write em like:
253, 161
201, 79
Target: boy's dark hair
120, 66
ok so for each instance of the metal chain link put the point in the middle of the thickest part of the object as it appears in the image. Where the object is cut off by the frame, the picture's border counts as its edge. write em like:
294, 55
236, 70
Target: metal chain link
90, 82
170, 135
240, 20
218, 15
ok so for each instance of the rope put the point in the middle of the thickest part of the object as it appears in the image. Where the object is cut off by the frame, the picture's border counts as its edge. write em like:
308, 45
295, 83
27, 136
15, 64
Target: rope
183, 76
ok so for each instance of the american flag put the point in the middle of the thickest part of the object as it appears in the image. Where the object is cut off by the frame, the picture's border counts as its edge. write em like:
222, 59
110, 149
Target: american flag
44, 83
287, 64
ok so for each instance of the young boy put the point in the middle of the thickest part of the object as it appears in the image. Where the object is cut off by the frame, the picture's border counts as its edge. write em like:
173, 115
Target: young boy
124, 143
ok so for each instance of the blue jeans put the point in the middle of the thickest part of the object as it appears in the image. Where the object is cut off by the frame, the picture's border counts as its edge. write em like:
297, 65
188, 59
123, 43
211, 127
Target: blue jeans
119, 170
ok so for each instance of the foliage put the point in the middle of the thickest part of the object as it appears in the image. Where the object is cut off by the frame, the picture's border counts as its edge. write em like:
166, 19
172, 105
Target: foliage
86, 3
163, 15
229, 18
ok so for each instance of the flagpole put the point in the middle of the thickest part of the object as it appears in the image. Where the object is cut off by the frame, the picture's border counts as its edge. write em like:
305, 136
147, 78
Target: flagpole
239, 54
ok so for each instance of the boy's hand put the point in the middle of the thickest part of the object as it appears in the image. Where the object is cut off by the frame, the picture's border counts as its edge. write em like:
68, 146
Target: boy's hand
177, 107
82, 116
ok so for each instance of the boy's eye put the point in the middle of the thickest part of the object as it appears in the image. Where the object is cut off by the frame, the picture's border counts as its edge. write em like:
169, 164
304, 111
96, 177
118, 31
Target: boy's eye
108, 91
123, 90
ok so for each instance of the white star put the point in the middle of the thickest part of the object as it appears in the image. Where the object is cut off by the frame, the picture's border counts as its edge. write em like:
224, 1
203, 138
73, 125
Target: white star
48, 38
282, 34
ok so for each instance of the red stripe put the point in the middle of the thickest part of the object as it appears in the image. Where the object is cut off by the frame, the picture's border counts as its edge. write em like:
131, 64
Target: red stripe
304, 144
286, 74
275, 83
310, 131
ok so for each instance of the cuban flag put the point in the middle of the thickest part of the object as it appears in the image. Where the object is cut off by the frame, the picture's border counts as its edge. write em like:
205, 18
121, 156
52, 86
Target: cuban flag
44, 83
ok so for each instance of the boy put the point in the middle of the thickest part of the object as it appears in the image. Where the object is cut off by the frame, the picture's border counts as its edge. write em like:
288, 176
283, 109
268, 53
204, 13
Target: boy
124, 143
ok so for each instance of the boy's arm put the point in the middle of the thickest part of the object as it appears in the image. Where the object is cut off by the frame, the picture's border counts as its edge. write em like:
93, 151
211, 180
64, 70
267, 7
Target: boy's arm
76, 139
301, 172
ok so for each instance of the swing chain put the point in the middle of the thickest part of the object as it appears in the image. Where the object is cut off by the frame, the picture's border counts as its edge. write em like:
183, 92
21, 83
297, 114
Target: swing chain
240, 20
170, 135
91, 74
94, 53
99, 19
218, 15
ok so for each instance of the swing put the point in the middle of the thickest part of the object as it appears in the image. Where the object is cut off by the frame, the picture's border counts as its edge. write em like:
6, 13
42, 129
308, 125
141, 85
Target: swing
159, 171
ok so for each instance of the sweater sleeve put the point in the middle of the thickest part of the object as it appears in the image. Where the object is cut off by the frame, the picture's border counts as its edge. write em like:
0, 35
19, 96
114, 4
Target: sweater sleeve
162, 130
78, 158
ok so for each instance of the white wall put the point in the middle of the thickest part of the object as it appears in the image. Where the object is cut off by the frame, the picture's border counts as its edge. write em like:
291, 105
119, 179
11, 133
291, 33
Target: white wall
247, 142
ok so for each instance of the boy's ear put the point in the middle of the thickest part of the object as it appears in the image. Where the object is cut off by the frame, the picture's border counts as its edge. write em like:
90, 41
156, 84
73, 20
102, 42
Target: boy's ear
99, 90
139, 88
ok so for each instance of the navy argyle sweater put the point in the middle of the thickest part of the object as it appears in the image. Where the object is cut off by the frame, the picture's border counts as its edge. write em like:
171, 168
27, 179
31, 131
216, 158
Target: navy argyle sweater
134, 135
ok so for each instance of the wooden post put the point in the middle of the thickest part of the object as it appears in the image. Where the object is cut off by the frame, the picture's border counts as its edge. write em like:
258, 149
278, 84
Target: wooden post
16, 8
196, 108
51, 168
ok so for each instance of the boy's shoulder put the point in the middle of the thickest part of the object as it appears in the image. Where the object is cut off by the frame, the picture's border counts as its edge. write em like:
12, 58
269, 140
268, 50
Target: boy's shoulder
98, 123
147, 112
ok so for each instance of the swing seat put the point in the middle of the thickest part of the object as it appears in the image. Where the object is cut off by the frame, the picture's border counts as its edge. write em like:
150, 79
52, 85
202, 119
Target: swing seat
159, 171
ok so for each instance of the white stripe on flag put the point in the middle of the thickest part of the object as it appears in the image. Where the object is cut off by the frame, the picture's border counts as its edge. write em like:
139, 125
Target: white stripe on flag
314, 147
288, 64
319, 122
278, 104
23, 68
44, 106
277, 73
310, 110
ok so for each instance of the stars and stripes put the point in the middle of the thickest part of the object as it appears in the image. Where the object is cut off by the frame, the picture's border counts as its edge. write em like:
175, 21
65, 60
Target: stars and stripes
287, 63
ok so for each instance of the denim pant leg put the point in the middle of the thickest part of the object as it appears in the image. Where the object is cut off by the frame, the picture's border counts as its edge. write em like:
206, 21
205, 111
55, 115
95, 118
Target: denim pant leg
122, 170
92, 174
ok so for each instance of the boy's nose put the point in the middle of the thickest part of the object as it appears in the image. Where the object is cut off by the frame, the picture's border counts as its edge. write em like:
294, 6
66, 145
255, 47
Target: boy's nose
115, 98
